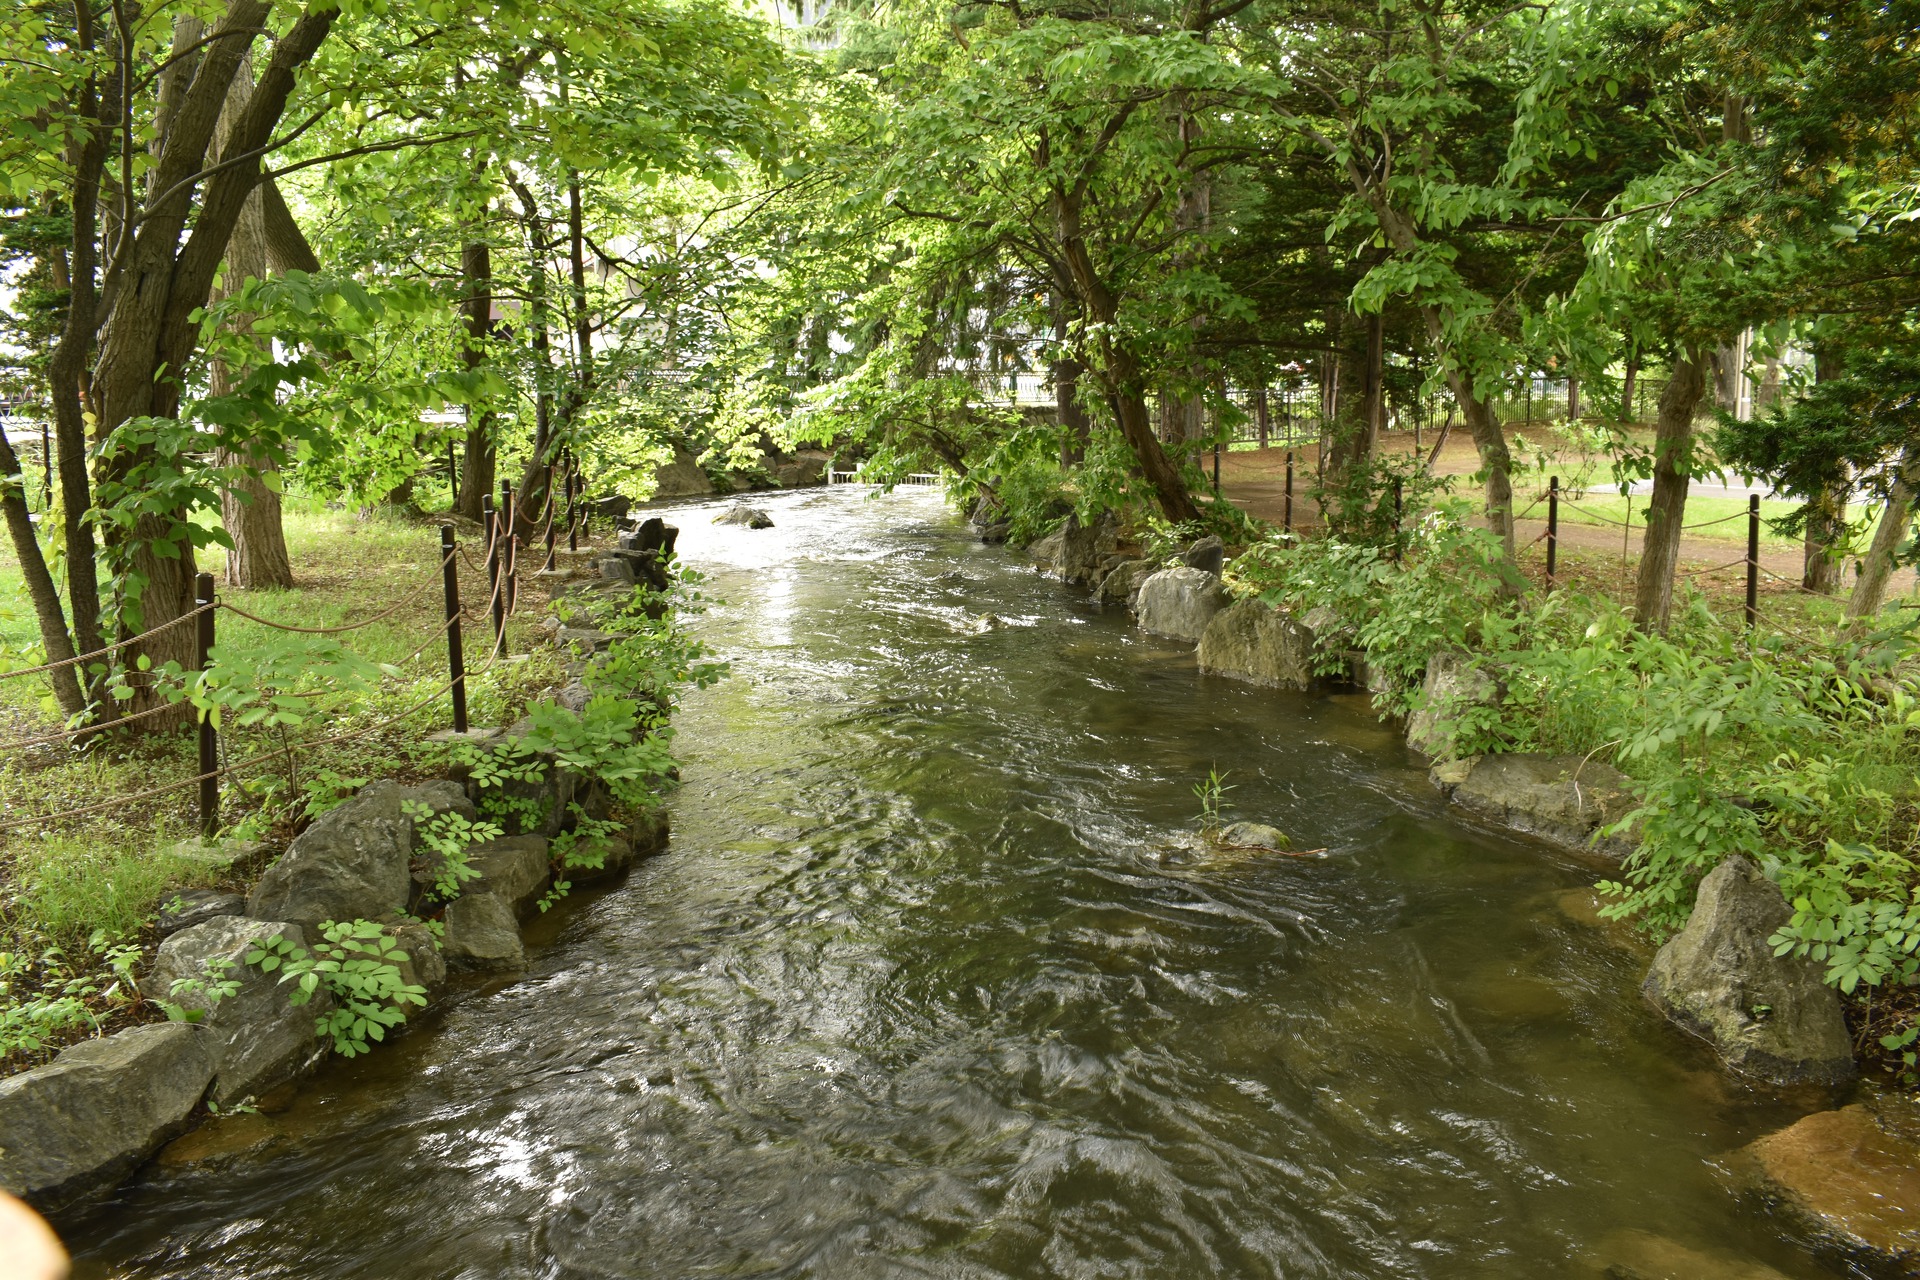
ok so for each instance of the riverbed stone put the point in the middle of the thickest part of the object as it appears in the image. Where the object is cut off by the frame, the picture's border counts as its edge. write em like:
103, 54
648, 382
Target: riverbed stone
1180, 602
1641, 1255
257, 1037
1251, 640
1850, 1178
745, 517
483, 934
1255, 835
1120, 585
1453, 687
95, 1112
183, 908
513, 869
1564, 800
1770, 1017
351, 864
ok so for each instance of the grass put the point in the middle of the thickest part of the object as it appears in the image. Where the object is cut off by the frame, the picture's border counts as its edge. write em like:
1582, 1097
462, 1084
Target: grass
73, 888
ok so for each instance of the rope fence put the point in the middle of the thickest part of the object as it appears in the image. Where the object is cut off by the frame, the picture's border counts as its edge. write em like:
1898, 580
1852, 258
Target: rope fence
500, 567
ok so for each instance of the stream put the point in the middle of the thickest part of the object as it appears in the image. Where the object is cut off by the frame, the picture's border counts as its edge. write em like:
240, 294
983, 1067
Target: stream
918, 989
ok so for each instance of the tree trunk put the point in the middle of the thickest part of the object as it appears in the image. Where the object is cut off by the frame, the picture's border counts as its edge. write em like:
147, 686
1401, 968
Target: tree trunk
1262, 415
1631, 376
1075, 429
1876, 567
250, 506
1119, 369
39, 584
1826, 522
1573, 399
1672, 458
476, 471
152, 332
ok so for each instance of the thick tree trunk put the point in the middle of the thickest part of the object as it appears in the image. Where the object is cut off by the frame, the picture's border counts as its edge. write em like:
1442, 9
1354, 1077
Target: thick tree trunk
1826, 522
476, 302
1631, 376
1896, 518
151, 332
1672, 454
250, 506
1119, 370
1349, 442
1075, 429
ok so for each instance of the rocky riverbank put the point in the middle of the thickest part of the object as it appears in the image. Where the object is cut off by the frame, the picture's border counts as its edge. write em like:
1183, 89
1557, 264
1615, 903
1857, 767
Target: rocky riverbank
380, 907
1849, 1178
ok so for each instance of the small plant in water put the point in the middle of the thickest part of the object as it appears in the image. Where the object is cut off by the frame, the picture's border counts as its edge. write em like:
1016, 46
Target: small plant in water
1212, 794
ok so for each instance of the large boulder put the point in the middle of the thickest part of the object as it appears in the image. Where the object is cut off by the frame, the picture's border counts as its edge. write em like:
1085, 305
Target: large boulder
513, 869
351, 864
482, 932
1453, 689
1209, 555
1120, 585
1769, 1016
258, 1039
1085, 549
1180, 603
681, 476
1565, 800
1047, 553
1850, 1178
99, 1109
1251, 640
805, 468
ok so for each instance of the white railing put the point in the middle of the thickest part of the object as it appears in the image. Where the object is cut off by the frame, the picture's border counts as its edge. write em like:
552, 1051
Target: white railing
918, 479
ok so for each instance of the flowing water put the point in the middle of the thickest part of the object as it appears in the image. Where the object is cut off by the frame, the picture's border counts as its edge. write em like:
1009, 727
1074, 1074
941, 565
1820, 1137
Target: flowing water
919, 990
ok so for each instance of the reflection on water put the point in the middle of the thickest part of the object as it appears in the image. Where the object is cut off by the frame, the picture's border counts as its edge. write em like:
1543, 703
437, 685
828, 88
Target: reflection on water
914, 993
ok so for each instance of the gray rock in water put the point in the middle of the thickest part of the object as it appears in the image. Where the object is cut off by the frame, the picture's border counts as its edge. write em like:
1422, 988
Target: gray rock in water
1562, 799
1121, 584
1769, 1016
1251, 640
351, 864
258, 1039
513, 869
1084, 549
1046, 553
1209, 555
1452, 686
1179, 603
183, 908
749, 517
483, 933
681, 477
99, 1109
1255, 835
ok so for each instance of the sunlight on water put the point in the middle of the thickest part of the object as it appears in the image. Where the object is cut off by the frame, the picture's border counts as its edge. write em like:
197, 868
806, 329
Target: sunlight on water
918, 991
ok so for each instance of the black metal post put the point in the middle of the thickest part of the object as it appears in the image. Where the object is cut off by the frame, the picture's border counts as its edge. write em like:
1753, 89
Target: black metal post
1287, 522
1553, 526
509, 546
456, 654
1753, 559
1398, 509
209, 746
496, 593
1216, 469
573, 492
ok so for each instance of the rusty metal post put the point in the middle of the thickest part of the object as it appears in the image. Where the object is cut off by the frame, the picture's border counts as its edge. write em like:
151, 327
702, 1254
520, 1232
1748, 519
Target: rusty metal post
1286, 522
496, 593
1753, 559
